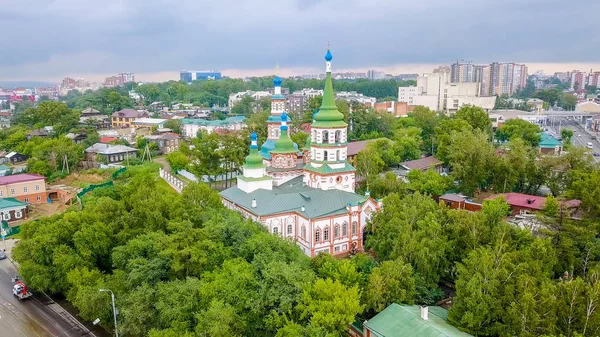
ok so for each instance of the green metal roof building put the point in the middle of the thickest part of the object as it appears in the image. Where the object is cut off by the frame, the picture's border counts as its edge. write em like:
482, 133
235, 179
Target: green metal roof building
411, 321
549, 144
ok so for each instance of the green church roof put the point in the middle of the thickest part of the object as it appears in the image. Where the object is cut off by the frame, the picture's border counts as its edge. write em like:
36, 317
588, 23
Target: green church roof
291, 196
405, 320
329, 116
284, 144
10, 203
254, 159
326, 169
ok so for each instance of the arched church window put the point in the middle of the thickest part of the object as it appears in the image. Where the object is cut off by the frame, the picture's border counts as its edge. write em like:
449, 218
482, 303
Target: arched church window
289, 229
336, 232
326, 234
303, 232
344, 229
338, 136
325, 156
275, 230
325, 136
354, 228
318, 235
314, 135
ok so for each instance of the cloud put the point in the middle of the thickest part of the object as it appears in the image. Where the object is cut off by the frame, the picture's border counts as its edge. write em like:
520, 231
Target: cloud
54, 38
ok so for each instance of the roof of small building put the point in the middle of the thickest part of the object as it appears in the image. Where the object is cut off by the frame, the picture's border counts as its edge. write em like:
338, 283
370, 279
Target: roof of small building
588, 107
128, 113
11, 203
521, 200
89, 110
20, 178
421, 164
405, 320
40, 132
151, 121
109, 149
453, 197
215, 123
4, 168
548, 141
291, 196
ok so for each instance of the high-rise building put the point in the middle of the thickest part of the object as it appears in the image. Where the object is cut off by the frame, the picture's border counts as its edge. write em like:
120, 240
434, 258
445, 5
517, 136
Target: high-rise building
482, 76
507, 78
462, 72
578, 79
375, 75
189, 76
594, 79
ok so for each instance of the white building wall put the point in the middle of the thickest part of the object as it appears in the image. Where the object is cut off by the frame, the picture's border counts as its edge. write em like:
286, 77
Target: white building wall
407, 94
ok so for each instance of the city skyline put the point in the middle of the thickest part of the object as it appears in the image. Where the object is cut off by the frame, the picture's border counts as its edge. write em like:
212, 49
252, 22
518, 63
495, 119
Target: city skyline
154, 37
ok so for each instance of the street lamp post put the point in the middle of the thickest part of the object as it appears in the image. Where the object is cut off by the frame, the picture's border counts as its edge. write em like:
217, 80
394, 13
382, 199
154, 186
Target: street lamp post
112, 296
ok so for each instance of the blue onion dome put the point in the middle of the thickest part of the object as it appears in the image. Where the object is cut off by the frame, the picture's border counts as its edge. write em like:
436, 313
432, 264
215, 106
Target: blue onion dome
253, 136
284, 117
277, 81
328, 56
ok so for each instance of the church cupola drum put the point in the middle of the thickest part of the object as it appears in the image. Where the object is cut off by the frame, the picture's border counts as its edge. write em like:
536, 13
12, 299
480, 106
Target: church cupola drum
329, 167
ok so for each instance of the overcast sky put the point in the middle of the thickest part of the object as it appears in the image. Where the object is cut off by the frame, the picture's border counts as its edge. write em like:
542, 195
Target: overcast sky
50, 39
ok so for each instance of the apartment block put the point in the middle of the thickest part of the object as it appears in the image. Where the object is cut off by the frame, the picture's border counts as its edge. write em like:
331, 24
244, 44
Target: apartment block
25, 187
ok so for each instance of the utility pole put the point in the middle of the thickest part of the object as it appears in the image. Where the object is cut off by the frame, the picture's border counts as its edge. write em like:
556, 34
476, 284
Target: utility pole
112, 296
65, 164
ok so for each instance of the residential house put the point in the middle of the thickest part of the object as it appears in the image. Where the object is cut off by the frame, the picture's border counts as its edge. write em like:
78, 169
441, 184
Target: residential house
37, 133
411, 320
24, 187
457, 201
549, 144
535, 104
148, 122
398, 109
76, 137
15, 157
107, 153
521, 203
423, 164
12, 209
93, 117
355, 147
4, 122
166, 142
124, 118
191, 126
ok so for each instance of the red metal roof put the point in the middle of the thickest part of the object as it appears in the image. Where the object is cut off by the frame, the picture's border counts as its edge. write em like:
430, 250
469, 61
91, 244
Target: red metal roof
521, 200
20, 178
106, 140
356, 147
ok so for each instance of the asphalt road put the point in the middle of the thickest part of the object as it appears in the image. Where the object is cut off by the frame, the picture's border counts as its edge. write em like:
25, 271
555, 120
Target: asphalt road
580, 136
36, 316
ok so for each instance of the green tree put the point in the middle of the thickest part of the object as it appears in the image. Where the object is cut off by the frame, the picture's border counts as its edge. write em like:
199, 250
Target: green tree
476, 117
244, 107
471, 158
175, 125
330, 306
519, 128
177, 160
429, 182
392, 282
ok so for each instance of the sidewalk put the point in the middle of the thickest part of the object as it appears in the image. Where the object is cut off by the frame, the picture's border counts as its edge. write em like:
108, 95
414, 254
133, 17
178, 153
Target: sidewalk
8, 245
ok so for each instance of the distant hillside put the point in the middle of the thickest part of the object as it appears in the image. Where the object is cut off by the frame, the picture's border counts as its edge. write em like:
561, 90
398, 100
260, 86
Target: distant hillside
24, 84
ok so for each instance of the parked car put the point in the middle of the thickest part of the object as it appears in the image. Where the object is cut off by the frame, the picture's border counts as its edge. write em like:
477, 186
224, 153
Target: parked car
2, 255
590, 145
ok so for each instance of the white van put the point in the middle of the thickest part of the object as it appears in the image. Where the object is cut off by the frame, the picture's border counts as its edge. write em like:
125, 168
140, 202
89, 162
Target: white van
590, 145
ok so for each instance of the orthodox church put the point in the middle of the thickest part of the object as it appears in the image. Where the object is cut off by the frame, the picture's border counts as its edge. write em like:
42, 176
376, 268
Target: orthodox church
307, 194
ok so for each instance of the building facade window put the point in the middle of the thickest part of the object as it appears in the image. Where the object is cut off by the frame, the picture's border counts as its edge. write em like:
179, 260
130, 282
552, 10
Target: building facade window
275, 230
289, 229
6, 216
326, 234
344, 229
325, 136
317, 235
26, 199
38, 198
303, 233
354, 228
37, 187
336, 232
1, 193
25, 189
12, 191
18, 214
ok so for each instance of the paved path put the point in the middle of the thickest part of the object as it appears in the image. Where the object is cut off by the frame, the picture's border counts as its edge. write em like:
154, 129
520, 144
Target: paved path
37, 316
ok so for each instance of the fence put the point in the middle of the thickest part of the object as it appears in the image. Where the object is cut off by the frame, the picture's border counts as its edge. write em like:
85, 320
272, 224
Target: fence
188, 175
176, 183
